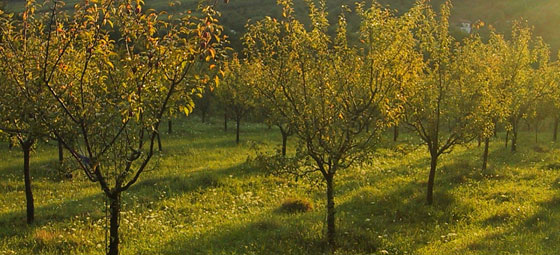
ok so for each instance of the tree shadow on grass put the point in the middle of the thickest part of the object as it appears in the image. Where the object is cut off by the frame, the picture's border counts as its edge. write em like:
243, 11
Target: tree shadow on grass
361, 219
269, 233
535, 234
142, 194
402, 213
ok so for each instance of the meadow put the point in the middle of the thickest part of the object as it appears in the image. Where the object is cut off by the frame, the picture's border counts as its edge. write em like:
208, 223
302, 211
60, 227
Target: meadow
205, 195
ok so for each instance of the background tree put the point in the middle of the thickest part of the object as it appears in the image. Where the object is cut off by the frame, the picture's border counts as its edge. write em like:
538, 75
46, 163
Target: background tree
440, 97
481, 64
204, 104
524, 62
234, 92
268, 73
24, 61
331, 91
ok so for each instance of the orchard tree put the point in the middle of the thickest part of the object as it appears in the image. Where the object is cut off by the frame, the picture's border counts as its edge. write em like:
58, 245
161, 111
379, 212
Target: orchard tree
527, 72
269, 72
479, 68
329, 90
234, 93
109, 74
544, 79
441, 96
554, 98
21, 72
204, 104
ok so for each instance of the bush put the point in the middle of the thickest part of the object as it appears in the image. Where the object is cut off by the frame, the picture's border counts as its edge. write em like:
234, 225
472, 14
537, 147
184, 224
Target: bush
295, 205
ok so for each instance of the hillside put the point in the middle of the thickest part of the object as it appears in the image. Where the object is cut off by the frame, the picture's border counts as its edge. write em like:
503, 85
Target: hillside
544, 15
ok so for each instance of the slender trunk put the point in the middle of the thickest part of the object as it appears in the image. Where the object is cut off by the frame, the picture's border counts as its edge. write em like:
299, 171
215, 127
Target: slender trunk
555, 132
60, 153
225, 122
284, 139
237, 122
514, 138
159, 142
26, 147
536, 132
169, 126
485, 154
331, 231
395, 133
284, 143
203, 116
507, 137
479, 140
115, 210
433, 166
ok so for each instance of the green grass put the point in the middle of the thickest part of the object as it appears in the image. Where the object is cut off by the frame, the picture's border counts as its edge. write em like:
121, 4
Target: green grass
202, 197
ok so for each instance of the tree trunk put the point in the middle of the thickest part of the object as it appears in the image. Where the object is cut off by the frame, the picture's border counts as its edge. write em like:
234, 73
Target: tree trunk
331, 231
507, 137
115, 210
485, 154
395, 133
479, 140
555, 132
433, 166
169, 126
26, 147
514, 138
237, 122
225, 122
284, 139
284, 143
159, 142
536, 132
60, 153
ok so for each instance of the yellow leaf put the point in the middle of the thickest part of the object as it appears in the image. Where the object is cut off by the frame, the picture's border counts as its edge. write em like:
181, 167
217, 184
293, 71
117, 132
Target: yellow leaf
217, 80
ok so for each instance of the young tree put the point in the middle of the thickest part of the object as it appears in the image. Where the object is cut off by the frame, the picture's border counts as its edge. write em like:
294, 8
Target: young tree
267, 73
234, 92
329, 90
204, 104
480, 66
20, 72
554, 98
109, 74
441, 98
526, 71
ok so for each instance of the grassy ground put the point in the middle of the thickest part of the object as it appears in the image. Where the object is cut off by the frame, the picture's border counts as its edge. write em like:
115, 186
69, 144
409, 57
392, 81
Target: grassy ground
204, 198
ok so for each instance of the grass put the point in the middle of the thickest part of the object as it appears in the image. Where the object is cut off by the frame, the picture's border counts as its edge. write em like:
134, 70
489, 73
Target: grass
202, 197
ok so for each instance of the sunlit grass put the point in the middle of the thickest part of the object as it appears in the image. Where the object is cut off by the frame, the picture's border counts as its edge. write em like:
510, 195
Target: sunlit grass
203, 197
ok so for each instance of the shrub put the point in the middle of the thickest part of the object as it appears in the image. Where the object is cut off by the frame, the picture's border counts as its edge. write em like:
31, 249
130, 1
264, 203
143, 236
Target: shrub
296, 205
